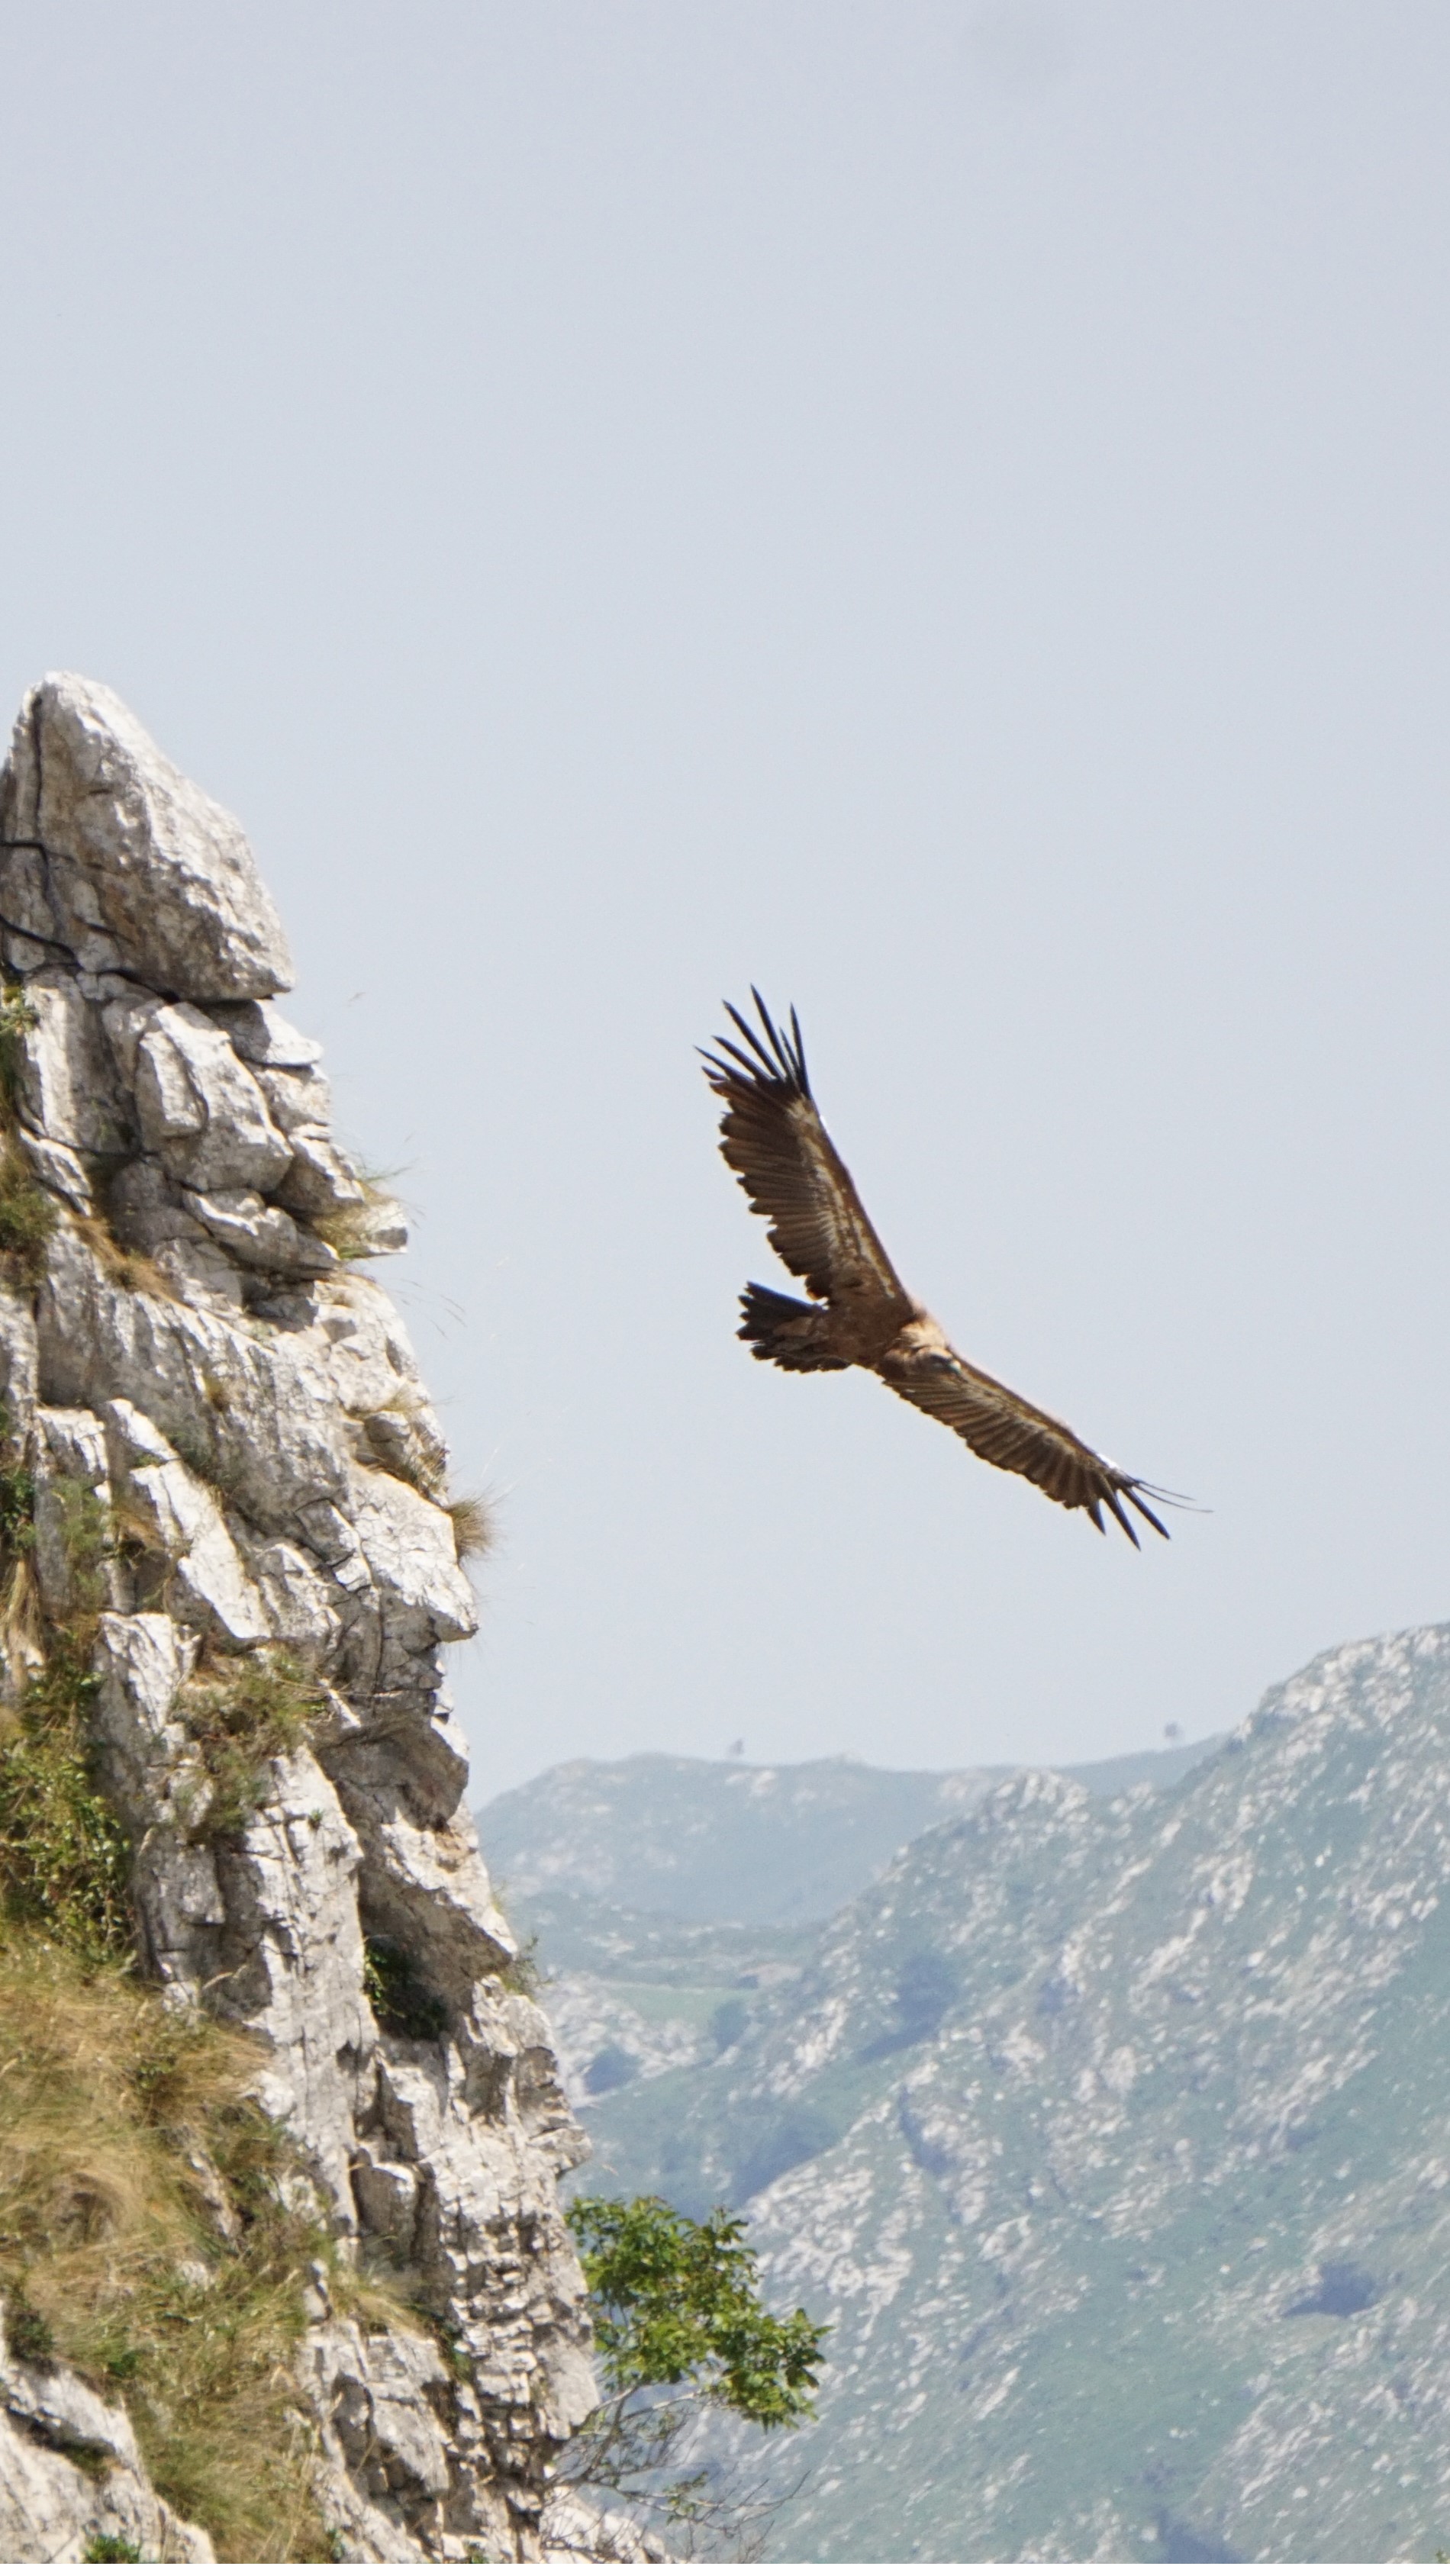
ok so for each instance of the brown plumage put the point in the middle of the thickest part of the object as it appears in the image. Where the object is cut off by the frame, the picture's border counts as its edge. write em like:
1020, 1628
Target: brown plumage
860, 1315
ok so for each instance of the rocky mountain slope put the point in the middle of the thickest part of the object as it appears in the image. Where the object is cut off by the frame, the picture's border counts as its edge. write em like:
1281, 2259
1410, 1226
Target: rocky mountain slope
665, 1895
1111, 2137
224, 1519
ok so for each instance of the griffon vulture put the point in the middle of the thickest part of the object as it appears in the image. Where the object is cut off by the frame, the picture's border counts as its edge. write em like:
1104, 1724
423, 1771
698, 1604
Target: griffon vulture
861, 1316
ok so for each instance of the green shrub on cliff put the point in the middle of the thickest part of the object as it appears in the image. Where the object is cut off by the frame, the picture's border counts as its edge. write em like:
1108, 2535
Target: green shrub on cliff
679, 2326
63, 1856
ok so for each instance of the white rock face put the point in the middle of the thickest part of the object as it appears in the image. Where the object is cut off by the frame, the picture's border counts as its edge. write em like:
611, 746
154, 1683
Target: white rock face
52, 2506
69, 1091
117, 860
235, 1460
177, 1516
200, 1111
262, 1237
251, 1408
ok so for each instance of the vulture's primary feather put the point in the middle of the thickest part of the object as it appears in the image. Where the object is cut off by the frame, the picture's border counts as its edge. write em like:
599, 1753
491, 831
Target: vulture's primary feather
859, 1314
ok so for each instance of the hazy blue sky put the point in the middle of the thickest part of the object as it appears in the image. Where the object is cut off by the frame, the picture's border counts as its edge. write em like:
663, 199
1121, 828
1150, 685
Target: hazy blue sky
939, 509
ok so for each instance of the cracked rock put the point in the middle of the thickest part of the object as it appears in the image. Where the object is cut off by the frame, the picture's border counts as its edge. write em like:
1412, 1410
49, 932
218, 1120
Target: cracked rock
174, 1512
120, 860
199, 1109
234, 1461
261, 1237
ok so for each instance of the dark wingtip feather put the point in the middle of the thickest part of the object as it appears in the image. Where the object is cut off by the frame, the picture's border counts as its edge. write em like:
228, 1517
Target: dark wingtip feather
750, 1071
778, 1047
770, 1050
800, 1052
1135, 1495
750, 1036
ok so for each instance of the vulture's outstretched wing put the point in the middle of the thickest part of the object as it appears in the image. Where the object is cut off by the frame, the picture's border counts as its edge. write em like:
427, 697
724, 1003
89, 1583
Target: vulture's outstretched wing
1011, 1433
771, 1136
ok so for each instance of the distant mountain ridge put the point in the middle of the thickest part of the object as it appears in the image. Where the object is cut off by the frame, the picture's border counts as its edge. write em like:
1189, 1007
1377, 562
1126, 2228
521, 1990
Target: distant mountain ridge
737, 1842
1113, 2140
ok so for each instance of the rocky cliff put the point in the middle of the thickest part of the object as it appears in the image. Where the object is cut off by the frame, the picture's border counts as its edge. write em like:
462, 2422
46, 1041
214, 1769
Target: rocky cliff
234, 1491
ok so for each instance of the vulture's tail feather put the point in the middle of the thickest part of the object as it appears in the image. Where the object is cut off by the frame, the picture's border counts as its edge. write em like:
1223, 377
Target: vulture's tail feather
786, 1330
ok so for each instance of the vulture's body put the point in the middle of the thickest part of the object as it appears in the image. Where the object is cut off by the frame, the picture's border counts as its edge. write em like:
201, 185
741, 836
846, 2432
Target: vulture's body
859, 1314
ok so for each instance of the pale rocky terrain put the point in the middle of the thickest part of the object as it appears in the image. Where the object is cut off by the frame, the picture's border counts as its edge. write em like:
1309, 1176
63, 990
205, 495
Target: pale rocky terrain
70, 2468
243, 1405
1110, 2136
666, 1893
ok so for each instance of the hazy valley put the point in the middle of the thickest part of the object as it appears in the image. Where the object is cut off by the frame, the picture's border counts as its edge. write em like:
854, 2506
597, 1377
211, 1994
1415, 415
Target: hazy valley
1105, 2121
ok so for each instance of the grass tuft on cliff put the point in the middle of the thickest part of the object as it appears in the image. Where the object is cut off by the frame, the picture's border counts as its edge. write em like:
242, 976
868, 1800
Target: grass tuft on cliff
360, 1233
474, 1528
27, 1211
28, 1216
152, 2236
63, 1856
122, 1262
244, 1710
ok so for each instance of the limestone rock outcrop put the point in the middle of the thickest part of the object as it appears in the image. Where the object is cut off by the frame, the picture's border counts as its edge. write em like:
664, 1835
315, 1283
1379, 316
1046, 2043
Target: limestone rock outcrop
199, 1366
70, 2473
115, 862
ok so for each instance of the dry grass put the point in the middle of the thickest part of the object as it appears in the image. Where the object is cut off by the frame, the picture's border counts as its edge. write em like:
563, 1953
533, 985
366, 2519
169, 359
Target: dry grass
352, 1232
129, 1269
475, 1526
144, 2234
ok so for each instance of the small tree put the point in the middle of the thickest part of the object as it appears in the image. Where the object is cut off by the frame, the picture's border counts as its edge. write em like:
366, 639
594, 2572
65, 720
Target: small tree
679, 2327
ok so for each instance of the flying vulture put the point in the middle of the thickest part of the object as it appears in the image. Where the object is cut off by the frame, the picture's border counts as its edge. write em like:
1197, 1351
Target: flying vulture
860, 1315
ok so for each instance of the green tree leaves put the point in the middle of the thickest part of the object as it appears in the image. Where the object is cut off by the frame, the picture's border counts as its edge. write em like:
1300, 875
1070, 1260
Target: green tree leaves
679, 2326
675, 2300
